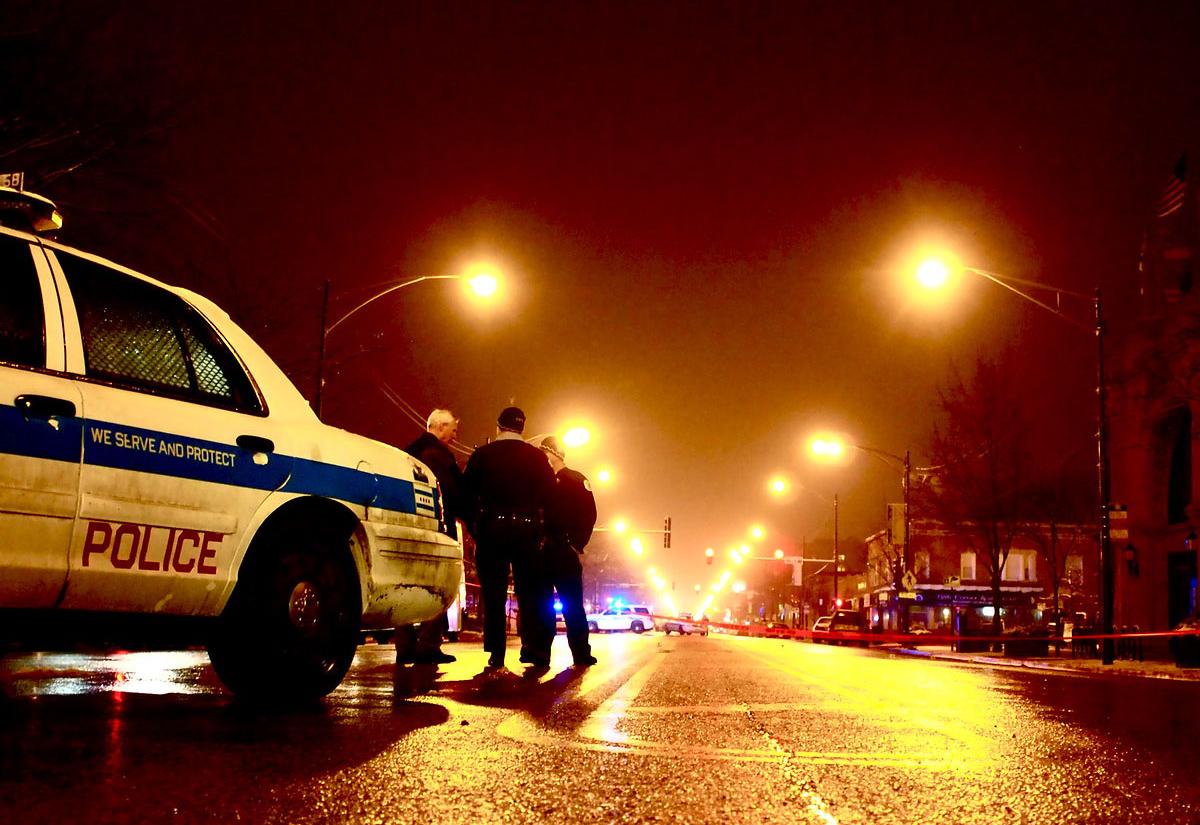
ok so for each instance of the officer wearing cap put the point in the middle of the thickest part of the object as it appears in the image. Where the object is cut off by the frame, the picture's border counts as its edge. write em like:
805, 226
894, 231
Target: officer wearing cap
511, 485
569, 527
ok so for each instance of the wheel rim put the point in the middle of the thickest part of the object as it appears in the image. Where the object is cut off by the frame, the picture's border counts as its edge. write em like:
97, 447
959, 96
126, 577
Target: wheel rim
304, 606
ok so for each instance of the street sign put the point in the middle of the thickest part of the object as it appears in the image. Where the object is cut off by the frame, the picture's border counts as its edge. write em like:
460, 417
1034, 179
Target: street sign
909, 580
952, 581
908, 595
1118, 533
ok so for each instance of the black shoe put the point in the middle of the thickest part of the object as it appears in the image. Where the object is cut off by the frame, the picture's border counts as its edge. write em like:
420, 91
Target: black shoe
586, 661
496, 661
437, 657
526, 658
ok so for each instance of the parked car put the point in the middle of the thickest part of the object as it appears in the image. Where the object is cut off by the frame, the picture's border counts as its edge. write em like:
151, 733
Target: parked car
635, 617
684, 624
161, 479
847, 621
820, 629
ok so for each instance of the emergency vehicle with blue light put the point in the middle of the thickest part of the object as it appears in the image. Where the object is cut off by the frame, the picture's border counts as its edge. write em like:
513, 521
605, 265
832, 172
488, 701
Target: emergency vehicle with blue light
162, 480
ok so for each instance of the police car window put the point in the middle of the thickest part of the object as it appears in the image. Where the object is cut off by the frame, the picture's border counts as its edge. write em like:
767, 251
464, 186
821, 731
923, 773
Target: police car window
22, 323
137, 334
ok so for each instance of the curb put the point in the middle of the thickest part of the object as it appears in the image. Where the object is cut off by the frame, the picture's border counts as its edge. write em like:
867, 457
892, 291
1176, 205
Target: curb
1170, 674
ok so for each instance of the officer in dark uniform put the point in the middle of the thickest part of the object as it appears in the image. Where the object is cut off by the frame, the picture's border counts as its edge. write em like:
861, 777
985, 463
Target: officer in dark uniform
569, 527
511, 485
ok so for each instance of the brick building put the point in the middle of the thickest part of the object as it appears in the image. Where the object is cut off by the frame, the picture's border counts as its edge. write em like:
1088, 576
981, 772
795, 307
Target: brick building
953, 588
1153, 394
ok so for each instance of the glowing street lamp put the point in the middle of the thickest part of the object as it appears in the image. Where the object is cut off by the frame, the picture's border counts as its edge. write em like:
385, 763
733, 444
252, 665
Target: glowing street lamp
481, 281
777, 485
636, 546
827, 447
778, 552
620, 526
757, 532
604, 475
576, 437
933, 273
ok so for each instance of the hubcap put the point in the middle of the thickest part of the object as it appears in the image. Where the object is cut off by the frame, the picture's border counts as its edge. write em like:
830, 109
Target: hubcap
304, 606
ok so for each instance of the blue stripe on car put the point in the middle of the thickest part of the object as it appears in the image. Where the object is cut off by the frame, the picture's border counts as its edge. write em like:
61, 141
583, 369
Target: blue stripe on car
151, 451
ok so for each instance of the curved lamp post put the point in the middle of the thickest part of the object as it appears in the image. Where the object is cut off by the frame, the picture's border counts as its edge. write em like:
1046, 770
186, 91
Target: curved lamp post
482, 284
934, 273
831, 448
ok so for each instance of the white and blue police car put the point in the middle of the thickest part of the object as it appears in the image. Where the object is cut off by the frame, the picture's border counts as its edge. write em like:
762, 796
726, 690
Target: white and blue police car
162, 479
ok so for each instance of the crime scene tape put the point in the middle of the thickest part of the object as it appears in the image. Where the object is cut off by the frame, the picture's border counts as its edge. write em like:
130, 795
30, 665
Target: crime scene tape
782, 631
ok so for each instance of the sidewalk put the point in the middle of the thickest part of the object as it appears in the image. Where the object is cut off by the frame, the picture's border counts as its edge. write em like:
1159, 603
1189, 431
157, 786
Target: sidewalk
1157, 669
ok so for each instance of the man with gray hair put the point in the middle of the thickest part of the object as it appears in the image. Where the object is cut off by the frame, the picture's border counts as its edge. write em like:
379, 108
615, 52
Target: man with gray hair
423, 644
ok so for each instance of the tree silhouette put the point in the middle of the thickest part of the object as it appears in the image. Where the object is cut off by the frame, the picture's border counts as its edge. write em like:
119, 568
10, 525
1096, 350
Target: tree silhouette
980, 448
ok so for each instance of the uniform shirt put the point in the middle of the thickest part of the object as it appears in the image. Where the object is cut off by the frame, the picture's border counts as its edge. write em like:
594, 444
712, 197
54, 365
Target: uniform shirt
573, 514
435, 455
509, 476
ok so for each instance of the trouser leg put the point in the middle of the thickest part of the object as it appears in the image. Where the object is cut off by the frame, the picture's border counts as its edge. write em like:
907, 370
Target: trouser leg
534, 600
429, 636
568, 581
492, 568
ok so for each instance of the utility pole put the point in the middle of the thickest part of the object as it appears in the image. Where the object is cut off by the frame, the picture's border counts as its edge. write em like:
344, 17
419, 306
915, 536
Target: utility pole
1107, 567
835, 552
908, 558
321, 352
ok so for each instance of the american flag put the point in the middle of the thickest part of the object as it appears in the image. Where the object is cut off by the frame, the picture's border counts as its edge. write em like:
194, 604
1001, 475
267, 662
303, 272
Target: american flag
1172, 198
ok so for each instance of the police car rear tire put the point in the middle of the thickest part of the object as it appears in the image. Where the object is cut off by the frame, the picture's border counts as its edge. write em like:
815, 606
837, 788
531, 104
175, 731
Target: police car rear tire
638, 627
291, 628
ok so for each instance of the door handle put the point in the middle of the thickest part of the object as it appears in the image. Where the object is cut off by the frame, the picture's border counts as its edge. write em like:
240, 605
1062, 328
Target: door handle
44, 406
255, 444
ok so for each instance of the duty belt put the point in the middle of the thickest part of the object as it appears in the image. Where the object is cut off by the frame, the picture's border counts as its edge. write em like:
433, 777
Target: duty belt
512, 518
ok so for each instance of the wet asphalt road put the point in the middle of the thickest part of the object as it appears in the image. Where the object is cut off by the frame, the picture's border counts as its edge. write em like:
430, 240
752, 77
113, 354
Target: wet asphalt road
665, 729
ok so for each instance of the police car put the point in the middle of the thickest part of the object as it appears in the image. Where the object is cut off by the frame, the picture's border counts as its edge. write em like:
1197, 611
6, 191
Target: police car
161, 478
636, 617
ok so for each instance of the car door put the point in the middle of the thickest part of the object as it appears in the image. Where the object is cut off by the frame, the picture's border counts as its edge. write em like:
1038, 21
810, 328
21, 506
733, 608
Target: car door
40, 432
177, 454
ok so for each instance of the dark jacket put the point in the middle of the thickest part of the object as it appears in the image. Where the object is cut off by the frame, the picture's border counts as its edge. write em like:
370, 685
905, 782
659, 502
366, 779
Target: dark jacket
437, 457
573, 514
509, 477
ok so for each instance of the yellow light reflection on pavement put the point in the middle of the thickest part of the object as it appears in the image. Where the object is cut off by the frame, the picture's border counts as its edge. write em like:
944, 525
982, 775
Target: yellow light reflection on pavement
946, 726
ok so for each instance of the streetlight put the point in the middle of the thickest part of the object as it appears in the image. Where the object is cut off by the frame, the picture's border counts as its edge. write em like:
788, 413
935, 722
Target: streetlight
826, 447
576, 437
481, 283
926, 276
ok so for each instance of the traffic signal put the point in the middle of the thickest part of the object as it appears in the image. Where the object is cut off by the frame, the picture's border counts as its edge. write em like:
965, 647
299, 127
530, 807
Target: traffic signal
708, 555
667, 532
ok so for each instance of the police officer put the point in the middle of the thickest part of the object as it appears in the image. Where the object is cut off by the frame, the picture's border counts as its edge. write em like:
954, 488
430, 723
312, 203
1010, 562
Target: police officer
423, 644
511, 485
569, 527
